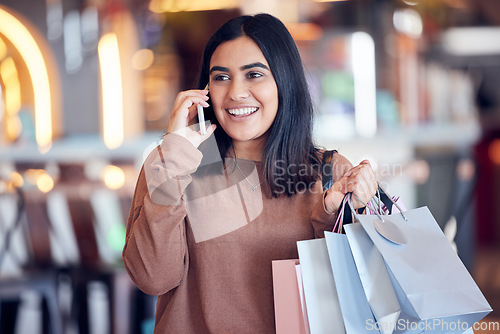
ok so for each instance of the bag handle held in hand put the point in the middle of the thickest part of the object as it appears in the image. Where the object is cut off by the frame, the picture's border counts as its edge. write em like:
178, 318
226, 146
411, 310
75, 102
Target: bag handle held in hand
378, 215
327, 180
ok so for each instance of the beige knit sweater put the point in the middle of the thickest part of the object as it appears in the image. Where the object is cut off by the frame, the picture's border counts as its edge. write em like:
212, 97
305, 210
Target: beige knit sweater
203, 240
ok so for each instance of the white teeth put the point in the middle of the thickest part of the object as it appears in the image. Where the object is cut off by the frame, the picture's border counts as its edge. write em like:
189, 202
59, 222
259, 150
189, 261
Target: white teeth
242, 111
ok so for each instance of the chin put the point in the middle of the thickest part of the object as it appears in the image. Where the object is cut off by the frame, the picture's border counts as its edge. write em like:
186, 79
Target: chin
241, 138
240, 133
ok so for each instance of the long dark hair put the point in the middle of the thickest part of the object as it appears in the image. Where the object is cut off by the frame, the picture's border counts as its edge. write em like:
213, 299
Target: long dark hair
290, 146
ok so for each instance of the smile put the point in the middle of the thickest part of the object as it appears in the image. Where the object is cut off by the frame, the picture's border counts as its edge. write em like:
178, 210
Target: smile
242, 111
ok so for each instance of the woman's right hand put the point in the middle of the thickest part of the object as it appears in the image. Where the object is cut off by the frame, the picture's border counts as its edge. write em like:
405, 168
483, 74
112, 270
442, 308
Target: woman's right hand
184, 110
360, 180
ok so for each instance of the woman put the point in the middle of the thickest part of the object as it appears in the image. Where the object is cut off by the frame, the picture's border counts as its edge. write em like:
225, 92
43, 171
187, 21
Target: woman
202, 235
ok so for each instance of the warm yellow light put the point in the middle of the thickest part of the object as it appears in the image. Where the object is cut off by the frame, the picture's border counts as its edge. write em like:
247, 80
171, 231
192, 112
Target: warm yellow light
2, 107
16, 180
13, 127
12, 93
31, 175
44, 182
30, 52
142, 59
10, 79
113, 177
162, 6
155, 6
40, 178
3, 49
112, 91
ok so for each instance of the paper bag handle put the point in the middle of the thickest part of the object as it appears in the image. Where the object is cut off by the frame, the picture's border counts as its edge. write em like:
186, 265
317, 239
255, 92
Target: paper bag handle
392, 200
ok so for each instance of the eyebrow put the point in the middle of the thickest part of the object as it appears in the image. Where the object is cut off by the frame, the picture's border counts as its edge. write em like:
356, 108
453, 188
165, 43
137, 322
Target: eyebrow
257, 64
242, 68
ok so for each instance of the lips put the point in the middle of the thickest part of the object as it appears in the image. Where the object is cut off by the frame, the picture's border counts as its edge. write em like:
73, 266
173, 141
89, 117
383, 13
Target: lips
242, 112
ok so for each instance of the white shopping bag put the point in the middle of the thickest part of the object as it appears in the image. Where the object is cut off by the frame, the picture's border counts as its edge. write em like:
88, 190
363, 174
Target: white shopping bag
375, 279
323, 309
436, 292
356, 312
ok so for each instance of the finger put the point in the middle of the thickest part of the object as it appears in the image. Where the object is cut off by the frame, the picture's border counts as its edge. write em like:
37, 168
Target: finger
365, 178
196, 138
190, 100
193, 111
355, 169
334, 197
183, 114
351, 177
362, 192
355, 188
210, 130
365, 190
361, 189
364, 168
183, 96
371, 179
193, 92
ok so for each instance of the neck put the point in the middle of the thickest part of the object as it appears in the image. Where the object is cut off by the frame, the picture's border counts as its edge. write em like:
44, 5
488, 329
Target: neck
250, 150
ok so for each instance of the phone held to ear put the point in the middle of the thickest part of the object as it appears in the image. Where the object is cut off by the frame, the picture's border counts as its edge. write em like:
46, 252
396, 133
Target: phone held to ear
201, 117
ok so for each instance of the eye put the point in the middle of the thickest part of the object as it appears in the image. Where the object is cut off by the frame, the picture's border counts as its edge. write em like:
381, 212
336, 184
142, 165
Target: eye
221, 77
254, 75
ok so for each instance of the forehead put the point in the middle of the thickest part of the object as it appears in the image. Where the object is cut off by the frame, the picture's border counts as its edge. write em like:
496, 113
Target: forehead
238, 52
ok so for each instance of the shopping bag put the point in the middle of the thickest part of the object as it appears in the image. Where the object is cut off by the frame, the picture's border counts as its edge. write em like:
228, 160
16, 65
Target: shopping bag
370, 266
436, 292
376, 283
323, 309
298, 271
288, 308
356, 312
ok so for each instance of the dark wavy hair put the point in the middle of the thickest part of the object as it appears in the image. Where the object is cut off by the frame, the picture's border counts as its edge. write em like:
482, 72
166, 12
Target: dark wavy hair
290, 145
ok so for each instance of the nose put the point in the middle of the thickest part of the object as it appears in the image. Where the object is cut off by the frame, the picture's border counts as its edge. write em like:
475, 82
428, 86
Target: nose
239, 90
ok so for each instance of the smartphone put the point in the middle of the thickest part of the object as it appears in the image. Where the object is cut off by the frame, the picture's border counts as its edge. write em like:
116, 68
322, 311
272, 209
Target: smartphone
201, 117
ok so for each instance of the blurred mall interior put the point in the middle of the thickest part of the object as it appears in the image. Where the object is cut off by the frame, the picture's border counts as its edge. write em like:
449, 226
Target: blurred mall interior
86, 88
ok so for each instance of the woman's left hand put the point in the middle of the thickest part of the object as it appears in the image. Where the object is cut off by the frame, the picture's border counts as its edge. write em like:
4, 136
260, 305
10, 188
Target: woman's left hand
360, 180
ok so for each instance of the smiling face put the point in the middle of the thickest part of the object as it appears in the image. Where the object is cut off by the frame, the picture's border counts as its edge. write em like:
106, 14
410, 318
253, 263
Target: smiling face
243, 92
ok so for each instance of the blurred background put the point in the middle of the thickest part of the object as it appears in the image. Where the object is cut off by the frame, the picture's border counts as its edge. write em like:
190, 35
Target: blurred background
86, 88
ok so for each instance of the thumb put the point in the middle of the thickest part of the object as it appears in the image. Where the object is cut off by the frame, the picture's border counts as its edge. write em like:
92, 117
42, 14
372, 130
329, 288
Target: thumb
197, 138
210, 130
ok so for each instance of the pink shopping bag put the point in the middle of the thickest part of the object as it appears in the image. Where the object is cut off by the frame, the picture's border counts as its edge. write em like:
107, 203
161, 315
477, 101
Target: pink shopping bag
288, 308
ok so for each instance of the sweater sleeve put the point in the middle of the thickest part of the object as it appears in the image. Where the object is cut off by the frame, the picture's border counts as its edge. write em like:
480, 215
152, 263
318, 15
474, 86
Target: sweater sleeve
155, 251
321, 219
